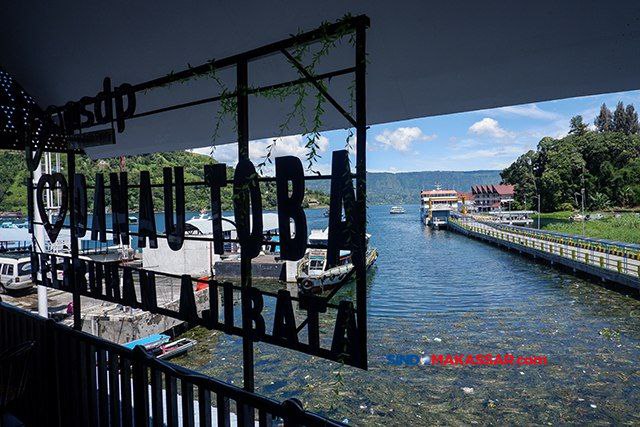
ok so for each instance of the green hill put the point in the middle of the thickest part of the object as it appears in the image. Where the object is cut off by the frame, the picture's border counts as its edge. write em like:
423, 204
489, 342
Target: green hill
13, 175
382, 188
405, 187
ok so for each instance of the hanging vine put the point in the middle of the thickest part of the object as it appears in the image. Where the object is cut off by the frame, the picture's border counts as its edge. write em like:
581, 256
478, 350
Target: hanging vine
300, 92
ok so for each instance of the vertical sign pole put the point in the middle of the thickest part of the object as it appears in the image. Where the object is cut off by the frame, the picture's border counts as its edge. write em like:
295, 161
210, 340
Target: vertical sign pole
245, 261
37, 237
71, 171
361, 189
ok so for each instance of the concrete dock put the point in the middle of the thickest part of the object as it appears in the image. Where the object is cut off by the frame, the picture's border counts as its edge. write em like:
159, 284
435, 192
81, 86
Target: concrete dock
110, 321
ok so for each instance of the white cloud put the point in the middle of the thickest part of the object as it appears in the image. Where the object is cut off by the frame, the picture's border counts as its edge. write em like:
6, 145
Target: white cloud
490, 153
531, 111
402, 138
490, 127
286, 146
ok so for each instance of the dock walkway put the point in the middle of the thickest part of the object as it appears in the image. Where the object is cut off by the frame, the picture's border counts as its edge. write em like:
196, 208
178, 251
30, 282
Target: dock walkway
611, 261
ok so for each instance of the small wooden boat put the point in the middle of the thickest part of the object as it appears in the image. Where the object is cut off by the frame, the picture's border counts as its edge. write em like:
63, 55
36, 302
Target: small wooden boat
158, 345
150, 342
176, 348
314, 276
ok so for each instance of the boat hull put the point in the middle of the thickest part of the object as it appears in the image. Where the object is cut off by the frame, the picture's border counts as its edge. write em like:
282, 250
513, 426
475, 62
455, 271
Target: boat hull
333, 277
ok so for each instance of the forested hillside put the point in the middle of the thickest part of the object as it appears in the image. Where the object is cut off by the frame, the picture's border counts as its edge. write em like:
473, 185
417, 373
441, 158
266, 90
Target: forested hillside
605, 160
405, 187
13, 176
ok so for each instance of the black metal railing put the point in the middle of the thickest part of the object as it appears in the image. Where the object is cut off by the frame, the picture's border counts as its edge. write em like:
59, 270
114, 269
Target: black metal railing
78, 379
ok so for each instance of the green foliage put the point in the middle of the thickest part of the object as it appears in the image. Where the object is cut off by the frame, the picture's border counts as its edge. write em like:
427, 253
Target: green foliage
577, 126
564, 207
625, 228
13, 176
604, 120
606, 163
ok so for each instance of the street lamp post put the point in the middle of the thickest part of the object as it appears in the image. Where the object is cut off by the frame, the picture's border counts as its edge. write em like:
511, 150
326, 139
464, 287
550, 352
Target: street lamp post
583, 217
581, 194
538, 196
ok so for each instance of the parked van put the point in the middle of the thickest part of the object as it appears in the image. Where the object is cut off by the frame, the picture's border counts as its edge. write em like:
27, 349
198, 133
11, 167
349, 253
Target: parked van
15, 272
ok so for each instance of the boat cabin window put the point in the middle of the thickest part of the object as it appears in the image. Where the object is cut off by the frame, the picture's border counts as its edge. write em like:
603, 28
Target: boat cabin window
316, 264
319, 242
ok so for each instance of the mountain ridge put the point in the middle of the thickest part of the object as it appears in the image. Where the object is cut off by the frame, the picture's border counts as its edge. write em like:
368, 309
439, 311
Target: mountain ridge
405, 187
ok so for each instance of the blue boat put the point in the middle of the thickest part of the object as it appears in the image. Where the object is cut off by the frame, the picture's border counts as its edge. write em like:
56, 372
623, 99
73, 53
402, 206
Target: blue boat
149, 342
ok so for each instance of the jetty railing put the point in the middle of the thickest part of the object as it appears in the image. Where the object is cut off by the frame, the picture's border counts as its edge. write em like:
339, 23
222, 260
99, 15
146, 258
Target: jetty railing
15, 246
614, 261
78, 379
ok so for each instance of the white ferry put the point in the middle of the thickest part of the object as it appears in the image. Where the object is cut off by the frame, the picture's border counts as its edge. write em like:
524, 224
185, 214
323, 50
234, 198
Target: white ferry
436, 206
396, 210
313, 274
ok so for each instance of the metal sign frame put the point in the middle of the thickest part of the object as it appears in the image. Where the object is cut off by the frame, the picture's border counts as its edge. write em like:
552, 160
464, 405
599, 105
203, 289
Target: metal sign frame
102, 282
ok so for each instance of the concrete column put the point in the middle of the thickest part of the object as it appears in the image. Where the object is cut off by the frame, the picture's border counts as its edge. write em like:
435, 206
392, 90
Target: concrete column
291, 268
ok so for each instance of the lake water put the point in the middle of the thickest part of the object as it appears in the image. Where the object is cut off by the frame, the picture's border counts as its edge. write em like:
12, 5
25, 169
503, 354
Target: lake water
439, 292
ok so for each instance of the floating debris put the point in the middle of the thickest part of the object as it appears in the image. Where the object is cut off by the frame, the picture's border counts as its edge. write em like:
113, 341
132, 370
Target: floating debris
467, 390
610, 334
437, 339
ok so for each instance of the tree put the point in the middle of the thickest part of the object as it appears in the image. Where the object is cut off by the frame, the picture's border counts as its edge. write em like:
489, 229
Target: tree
599, 201
620, 119
606, 164
626, 196
632, 119
521, 175
578, 127
604, 120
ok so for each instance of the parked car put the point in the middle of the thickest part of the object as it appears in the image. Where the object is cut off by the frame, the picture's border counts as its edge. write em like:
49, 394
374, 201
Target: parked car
15, 272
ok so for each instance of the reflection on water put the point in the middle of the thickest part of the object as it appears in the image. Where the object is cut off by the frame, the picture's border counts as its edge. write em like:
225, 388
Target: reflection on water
437, 292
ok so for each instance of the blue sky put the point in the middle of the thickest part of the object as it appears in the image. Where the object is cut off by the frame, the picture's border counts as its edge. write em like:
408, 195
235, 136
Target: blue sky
485, 139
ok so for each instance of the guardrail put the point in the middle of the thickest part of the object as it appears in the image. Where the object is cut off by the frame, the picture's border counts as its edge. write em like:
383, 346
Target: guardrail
79, 379
15, 245
610, 260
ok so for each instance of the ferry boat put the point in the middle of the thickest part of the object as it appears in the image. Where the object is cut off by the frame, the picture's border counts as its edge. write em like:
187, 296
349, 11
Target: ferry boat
436, 206
396, 210
314, 276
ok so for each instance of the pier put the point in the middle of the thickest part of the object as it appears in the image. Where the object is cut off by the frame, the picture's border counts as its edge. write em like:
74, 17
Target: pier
609, 261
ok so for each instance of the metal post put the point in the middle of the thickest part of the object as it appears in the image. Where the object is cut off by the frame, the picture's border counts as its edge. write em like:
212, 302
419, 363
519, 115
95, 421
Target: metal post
538, 211
38, 242
361, 187
71, 171
583, 217
245, 262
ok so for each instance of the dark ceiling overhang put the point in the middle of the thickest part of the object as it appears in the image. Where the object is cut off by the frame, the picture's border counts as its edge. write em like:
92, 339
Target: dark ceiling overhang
426, 58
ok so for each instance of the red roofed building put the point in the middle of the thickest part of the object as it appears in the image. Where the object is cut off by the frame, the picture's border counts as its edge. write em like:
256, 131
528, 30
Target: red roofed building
490, 198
